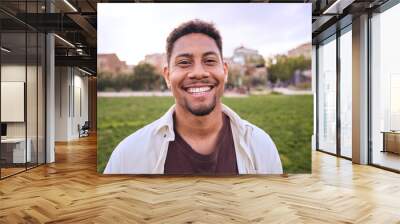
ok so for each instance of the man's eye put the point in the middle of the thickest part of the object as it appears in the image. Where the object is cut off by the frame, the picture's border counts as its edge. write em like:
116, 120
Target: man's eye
210, 62
183, 63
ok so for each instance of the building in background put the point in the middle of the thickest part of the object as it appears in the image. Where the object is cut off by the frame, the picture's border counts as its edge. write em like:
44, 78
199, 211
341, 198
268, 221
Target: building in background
242, 55
247, 70
302, 50
158, 60
110, 63
301, 77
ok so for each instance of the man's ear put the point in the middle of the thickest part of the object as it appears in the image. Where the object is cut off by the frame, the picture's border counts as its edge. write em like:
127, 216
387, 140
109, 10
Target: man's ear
226, 69
166, 76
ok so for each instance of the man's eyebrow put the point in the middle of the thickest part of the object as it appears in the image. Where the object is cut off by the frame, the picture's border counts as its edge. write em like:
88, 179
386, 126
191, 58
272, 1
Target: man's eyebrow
210, 53
187, 55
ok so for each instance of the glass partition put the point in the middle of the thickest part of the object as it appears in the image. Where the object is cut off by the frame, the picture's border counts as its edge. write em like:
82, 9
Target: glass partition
346, 93
13, 95
327, 96
385, 89
31, 97
22, 90
41, 86
34, 52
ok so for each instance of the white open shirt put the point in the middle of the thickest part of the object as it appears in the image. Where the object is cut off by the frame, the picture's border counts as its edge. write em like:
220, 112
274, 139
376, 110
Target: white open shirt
145, 151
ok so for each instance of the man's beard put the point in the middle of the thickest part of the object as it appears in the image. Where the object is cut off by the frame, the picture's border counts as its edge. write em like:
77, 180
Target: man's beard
203, 110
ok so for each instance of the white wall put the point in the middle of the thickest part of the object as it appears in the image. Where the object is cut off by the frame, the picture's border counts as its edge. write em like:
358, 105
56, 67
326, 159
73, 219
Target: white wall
12, 73
62, 80
33, 126
71, 93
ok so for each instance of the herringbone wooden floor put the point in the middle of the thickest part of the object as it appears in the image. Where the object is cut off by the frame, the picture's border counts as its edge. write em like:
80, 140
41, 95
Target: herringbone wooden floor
70, 191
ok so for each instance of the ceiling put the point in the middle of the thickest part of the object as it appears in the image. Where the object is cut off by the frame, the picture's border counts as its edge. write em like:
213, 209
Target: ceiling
75, 21
329, 16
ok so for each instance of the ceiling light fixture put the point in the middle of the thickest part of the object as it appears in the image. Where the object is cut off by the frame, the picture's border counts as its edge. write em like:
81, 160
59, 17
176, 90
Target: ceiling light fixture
71, 6
86, 72
5, 50
79, 51
337, 7
64, 40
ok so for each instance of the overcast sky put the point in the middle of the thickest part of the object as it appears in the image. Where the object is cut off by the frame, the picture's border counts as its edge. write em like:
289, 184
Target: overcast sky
133, 30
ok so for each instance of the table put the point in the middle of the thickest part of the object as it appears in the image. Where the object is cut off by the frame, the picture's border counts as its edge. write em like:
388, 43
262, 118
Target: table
17, 150
391, 141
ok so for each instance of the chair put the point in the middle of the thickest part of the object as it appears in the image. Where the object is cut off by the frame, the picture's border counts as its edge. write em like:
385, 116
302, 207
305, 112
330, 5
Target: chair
84, 130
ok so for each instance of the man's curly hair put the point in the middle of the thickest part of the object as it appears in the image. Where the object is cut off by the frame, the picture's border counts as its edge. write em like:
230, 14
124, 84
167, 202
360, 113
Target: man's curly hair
193, 26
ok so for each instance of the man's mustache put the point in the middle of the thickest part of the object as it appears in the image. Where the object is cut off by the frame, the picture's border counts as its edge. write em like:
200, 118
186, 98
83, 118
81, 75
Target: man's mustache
200, 81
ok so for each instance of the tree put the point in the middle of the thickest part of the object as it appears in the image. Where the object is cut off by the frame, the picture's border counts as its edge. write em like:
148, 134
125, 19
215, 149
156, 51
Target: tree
257, 61
103, 81
282, 67
113, 82
145, 77
234, 78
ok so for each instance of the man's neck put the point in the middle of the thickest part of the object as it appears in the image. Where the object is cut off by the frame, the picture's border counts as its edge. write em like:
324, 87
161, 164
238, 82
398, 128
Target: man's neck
200, 126
195, 129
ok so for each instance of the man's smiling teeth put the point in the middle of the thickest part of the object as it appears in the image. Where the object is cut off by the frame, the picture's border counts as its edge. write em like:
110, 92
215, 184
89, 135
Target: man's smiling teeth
199, 89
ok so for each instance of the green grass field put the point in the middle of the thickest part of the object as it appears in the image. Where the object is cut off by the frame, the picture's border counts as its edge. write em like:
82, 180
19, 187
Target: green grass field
287, 119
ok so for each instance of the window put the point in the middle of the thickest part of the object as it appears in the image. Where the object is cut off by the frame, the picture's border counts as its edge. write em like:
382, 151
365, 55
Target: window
346, 93
385, 88
327, 96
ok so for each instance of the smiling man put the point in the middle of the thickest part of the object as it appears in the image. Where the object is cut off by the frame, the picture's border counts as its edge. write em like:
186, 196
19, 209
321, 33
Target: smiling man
197, 135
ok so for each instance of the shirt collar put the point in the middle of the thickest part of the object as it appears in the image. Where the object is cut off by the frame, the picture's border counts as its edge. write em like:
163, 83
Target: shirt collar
240, 124
166, 124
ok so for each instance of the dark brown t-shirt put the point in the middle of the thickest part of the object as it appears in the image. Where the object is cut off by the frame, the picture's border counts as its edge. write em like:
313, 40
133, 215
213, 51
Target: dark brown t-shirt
182, 159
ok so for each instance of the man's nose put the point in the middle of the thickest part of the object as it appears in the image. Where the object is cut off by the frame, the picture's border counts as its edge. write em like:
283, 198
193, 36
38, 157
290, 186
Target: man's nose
198, 72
